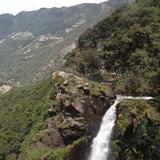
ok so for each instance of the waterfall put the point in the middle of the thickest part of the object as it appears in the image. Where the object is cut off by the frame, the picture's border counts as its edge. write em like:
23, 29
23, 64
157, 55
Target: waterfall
100, 145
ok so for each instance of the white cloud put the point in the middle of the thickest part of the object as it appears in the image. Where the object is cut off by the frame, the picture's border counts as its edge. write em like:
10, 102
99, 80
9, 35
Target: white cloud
15, 6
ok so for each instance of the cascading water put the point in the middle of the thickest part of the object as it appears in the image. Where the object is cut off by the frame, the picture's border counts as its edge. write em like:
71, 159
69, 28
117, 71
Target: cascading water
100, 144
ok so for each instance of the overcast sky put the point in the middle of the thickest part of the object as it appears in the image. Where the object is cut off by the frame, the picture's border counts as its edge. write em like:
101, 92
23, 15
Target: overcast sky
15, 6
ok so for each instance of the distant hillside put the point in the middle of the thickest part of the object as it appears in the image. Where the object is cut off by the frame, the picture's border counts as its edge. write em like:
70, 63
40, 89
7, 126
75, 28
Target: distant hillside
33, 43
54, 20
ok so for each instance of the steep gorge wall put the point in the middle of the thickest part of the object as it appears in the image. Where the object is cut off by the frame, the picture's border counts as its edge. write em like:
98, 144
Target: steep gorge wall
75, 116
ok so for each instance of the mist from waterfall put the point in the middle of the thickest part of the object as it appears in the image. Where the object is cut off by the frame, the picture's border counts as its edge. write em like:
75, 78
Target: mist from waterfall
100, 145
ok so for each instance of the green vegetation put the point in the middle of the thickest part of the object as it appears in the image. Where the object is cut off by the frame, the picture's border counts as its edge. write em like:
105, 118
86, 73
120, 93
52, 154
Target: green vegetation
138, 136
128, 44
56, 154
38, 153
23, 112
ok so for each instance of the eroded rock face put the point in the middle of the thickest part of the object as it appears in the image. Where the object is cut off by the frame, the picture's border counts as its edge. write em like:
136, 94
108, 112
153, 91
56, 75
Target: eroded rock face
49, 137
83, 104
80, 105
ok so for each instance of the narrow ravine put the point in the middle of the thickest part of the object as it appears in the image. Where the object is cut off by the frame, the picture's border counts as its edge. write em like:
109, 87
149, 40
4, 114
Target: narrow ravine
100, 145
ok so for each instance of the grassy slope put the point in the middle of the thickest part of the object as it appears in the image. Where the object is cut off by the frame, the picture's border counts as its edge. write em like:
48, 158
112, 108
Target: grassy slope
22, 113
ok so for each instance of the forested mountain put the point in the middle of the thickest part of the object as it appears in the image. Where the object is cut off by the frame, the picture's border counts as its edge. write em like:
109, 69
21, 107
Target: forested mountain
57, 118
34, 43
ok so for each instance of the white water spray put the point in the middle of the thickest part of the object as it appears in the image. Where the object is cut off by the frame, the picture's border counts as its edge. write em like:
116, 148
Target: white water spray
100, 144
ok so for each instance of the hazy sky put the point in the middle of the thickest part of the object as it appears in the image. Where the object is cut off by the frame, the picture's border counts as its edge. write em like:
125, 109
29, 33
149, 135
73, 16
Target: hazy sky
15, 6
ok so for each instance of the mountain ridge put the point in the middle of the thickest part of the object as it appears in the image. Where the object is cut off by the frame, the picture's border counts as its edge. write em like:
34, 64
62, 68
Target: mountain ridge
41, 8
54, 11
32, 39
42, 11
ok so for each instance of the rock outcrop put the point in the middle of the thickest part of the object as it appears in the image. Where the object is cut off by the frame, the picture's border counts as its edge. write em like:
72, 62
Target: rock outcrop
82, 103
79, 105
4, 88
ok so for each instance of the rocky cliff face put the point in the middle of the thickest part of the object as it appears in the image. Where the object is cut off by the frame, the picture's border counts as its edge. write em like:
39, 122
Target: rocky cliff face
75, 117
